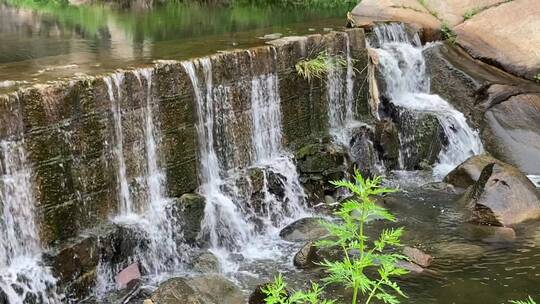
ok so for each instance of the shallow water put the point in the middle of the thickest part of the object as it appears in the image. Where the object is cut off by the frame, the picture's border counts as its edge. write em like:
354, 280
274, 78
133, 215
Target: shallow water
45, 42
470, 265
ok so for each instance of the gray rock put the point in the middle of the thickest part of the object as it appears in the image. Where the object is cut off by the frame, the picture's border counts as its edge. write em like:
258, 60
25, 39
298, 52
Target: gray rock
417, 256
206, 262
208, 289
306, 229
306, 257
189, 210
502, 196
468, 172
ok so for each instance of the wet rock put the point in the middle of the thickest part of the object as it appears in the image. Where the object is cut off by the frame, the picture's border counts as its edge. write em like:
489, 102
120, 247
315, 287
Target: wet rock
488, 234
306, 257
306, 229
208, 289
318, 164
440, 187
148, 301
457, 250
502, 196
417, 256
3, 297
409, 266
468, 172
189, 210
422, 136
176, 291
362, 150
258, 296
262, 180
129, 276
387, 141
206, 262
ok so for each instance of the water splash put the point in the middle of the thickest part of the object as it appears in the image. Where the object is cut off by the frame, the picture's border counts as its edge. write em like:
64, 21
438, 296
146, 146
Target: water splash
23, 277
233, 222
160, 252
407, 85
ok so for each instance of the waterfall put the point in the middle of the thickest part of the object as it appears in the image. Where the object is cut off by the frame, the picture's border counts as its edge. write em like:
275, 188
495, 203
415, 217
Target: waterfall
403, 67
232, 222
160, 256
341, 99
114, 83
22, 276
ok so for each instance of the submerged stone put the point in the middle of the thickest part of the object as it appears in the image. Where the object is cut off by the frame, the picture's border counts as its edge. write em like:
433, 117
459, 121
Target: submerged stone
305, 229
417, 256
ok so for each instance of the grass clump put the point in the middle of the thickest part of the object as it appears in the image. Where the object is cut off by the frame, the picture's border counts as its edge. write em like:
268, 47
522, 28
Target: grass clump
317, 67
448, 33
368, 266
528, 301
471, 12
537, 77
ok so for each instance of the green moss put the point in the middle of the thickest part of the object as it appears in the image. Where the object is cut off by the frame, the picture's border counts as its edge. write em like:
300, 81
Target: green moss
448, 33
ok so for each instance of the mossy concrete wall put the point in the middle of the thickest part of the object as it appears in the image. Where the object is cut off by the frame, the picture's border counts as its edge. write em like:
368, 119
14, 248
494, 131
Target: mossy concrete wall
68, 127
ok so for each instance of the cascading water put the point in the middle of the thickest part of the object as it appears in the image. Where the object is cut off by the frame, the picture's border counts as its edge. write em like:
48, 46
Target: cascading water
114, 83
232, 223
341, 100
23, 278
407, 85
161, 255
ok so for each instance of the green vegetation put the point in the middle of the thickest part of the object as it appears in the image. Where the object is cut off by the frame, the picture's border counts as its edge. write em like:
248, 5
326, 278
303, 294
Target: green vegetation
368, 266
537, 77
471, 12
317, 67
299, 3
528, 301
448, 33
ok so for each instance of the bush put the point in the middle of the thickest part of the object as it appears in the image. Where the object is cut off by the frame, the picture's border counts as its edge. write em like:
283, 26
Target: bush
361, 255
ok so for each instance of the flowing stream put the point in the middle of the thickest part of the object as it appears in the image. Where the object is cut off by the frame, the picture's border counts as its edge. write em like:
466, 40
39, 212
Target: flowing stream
233, 223
22, 275
403, 68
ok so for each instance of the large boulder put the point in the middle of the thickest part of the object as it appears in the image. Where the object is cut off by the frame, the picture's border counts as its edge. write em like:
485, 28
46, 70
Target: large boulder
512, 131
318, 164
209, 289
512, 46
306, 229
367, 12
455, 11
502, 196
468, 172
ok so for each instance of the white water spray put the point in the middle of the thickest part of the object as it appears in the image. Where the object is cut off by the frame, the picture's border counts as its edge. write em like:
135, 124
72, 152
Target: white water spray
407, 85
22, 275
232, 223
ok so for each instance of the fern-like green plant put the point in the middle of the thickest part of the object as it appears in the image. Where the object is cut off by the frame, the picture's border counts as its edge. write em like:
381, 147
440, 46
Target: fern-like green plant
317, 67
350, 235
361, 256
528, 301
276, 293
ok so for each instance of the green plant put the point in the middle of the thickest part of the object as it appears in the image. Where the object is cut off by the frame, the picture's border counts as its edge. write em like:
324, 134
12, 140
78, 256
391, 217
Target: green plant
471, 12
528, 301
448, 33
368, 266
350, 235
317, 67
276, 293
537, 77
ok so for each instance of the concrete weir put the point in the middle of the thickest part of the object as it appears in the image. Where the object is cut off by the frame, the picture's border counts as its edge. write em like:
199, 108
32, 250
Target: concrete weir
72, 131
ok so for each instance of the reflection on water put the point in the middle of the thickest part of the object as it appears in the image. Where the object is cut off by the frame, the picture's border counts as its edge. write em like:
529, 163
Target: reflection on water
45, 41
